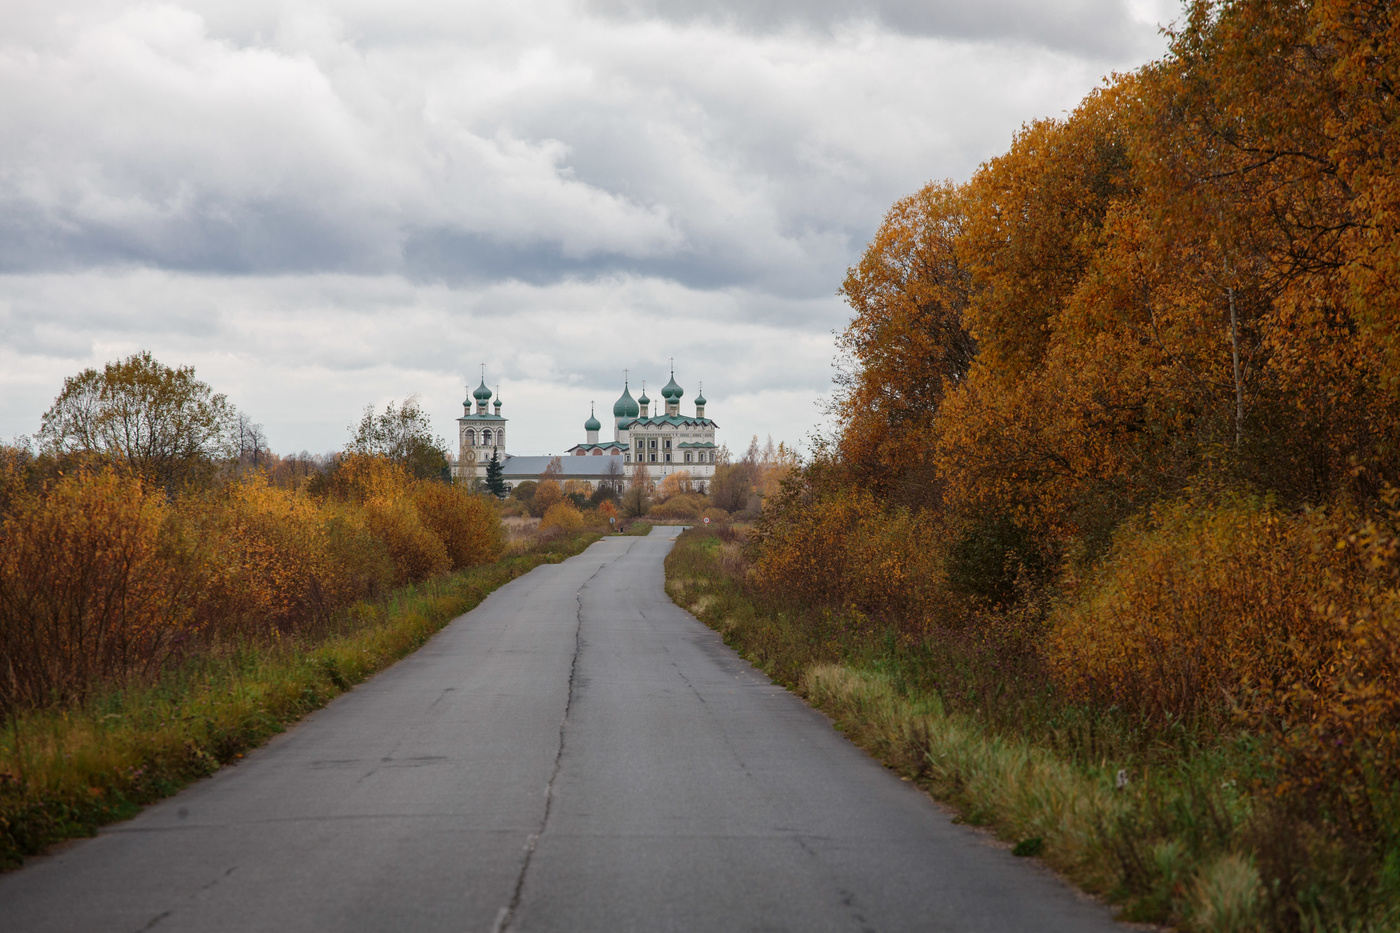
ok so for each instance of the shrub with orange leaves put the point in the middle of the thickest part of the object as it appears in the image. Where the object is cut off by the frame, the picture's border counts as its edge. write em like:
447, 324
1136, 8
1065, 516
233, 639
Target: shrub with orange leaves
362, 477
547, 494
845, 550
1196, 613
279, 560
416, 552
682, 506
468, 525
1339, 725
93, 588
563, 516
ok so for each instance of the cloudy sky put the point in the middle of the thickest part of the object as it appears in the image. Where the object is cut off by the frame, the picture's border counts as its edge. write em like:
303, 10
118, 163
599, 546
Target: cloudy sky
324, 205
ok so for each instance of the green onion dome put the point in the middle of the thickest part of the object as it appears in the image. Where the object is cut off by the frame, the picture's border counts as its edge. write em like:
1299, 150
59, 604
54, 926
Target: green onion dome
672, 392
626, 406
700, 399
482, 393
592, 424
644, 401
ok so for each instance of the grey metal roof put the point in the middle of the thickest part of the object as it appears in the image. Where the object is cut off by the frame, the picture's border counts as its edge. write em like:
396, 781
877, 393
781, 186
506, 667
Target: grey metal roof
532, 467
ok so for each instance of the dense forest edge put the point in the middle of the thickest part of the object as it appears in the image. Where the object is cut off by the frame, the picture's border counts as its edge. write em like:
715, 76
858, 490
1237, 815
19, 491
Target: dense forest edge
1114, 483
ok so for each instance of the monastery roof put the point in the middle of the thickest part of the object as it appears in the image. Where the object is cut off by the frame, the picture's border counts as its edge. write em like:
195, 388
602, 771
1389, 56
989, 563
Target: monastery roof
675, 420
602, 445
494, 419
516, 468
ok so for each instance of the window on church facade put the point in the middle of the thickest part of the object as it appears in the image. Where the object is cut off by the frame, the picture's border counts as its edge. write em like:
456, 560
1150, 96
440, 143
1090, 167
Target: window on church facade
486, 438
471, 438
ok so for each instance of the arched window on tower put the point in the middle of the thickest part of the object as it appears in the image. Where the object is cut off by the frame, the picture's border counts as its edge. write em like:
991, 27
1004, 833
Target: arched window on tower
486, 437
471, 438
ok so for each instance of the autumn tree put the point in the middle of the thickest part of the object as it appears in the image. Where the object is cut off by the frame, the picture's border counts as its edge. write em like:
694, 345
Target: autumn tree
637, 499
252, 442
547, 493
907, 341
404, 434
137, 413
675, 484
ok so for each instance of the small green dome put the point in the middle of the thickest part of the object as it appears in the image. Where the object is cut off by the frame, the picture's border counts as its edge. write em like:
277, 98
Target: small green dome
700, 399
626, 406
482, 393
644, 400
592, 424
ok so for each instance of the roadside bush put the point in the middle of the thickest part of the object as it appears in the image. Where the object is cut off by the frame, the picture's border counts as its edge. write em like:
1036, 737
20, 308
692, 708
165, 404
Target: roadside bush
1195, 612
843, 550
991, 560
681, 506
270, 560
93, 588
1338, 720
416, 552
562, 516
468, 525
547, 494
893, 570
607, 510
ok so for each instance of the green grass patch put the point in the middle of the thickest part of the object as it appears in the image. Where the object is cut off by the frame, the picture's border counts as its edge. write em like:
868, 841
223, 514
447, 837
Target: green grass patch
66, 772
1167, 824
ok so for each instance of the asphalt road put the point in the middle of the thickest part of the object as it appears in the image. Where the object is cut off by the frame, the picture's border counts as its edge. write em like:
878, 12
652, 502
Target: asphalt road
576, 754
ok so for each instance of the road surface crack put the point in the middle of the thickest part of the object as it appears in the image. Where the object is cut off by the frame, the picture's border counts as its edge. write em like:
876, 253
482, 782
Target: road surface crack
507, 914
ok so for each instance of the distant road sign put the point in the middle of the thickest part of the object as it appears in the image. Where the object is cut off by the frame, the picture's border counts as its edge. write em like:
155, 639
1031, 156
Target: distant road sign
707, 519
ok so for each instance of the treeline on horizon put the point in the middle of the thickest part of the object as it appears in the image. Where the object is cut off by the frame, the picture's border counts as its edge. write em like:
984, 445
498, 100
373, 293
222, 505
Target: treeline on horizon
1120, 415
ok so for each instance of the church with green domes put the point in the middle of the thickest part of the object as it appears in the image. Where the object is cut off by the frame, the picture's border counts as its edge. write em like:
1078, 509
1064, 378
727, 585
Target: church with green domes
661, 442
666, 442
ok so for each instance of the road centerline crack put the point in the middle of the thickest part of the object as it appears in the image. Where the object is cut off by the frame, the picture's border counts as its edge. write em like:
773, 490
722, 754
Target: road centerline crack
506, 916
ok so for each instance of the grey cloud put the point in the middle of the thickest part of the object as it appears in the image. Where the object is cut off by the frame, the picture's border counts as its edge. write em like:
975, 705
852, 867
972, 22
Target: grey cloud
230, 238
457, 258
587, 149
1095, 27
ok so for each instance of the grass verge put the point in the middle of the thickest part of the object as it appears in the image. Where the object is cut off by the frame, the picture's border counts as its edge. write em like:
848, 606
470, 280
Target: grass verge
66, 772
1164, 824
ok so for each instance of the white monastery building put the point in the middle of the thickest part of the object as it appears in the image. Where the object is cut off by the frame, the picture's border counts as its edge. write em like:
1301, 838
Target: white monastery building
661, 443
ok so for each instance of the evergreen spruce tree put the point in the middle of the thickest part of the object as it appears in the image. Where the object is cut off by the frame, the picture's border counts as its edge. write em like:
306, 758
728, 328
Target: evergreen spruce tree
493, 477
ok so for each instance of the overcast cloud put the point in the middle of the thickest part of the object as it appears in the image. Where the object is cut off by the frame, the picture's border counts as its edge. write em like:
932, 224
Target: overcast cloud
323, 206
